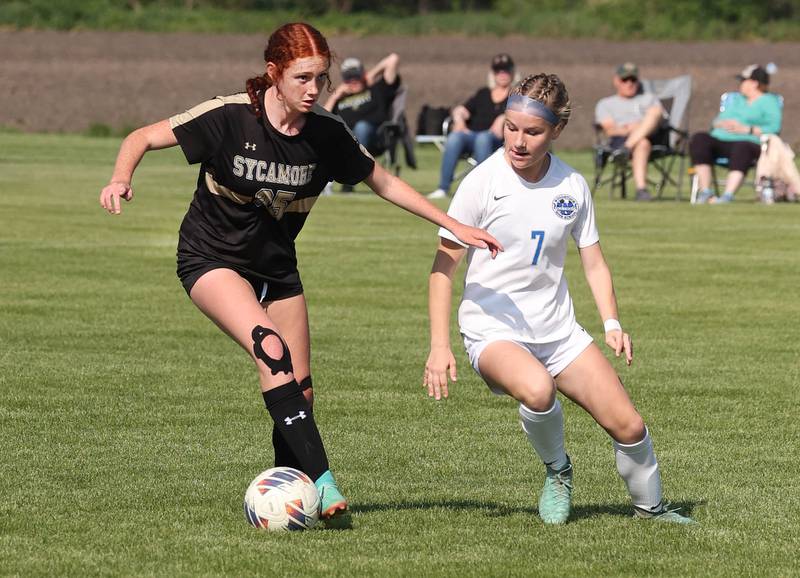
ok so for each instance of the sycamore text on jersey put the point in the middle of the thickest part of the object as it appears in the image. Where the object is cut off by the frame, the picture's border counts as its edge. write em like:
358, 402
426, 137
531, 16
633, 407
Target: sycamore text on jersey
272, 172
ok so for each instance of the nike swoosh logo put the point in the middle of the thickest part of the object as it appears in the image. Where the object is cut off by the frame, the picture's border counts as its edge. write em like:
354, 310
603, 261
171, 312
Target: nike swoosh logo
496, 198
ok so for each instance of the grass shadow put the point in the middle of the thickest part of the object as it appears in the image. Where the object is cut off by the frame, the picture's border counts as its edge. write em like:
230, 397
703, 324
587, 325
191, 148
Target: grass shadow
579, 511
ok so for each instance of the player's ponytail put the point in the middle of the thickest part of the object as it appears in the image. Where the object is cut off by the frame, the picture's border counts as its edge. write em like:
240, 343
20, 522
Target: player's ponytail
550, 91
286, 44
254, 86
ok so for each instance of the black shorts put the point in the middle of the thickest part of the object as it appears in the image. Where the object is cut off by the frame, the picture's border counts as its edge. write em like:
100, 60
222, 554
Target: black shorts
191, 267
616, 143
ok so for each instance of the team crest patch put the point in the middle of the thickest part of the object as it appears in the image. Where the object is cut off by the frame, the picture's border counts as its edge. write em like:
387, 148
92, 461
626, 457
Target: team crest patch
565, 206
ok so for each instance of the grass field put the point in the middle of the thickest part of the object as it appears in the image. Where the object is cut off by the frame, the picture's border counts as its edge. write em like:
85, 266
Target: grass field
623, 20
130, 426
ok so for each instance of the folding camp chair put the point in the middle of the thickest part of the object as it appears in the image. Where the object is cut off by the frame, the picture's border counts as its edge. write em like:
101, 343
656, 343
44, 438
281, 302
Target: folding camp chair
394, 132
724, 101
670, 142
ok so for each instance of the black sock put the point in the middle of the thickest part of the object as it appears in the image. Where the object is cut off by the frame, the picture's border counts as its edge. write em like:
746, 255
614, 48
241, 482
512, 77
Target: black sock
284, 457
294, 421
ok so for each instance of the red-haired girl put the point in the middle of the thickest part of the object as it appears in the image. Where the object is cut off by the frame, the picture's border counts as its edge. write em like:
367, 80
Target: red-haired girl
265, 155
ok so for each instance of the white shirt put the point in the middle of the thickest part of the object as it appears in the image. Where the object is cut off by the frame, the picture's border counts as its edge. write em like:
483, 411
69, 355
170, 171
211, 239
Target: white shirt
625, 110
522, 294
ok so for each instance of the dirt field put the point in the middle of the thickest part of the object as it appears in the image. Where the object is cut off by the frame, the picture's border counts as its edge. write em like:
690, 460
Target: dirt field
56, 81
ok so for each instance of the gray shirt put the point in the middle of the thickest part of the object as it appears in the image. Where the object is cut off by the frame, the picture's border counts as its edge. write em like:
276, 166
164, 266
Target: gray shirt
624, 110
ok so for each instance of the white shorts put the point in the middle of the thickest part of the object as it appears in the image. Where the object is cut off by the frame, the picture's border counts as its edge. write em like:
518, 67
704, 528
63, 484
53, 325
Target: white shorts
555, 355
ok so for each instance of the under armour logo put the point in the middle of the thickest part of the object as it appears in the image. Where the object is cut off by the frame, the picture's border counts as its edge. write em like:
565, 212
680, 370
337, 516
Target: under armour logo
289, 420
249, 147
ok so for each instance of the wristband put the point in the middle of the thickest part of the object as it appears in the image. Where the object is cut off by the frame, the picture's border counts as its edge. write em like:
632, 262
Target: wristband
611, 325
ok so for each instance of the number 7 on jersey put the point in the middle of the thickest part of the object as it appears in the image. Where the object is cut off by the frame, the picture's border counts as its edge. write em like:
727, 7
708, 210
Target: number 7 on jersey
538, 238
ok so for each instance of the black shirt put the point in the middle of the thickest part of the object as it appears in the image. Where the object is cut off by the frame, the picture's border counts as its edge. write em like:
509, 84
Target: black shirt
482, 111
371, 104
257, 185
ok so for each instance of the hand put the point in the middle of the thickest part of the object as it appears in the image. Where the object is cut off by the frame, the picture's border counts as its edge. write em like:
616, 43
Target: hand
440, 360
112, 193
733, 126
621, 343
477, 238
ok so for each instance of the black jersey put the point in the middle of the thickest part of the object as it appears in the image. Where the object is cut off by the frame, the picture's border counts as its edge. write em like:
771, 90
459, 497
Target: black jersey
256, 185
483, 110
373, 104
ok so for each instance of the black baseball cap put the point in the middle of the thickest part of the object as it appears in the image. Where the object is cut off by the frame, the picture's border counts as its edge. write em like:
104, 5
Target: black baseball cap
502, 61
754, 72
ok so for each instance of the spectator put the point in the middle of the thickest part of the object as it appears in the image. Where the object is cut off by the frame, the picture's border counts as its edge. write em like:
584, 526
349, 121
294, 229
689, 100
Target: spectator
628, 119
736, 133
477, 125
364, 99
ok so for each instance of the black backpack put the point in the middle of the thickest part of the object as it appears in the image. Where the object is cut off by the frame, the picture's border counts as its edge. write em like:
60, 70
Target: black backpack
431, 118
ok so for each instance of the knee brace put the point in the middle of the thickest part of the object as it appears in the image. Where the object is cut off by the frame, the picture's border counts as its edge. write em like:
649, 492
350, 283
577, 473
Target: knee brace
282, 364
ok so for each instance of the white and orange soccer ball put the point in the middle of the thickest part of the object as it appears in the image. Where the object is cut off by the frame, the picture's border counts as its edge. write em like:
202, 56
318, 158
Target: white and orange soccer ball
282, 499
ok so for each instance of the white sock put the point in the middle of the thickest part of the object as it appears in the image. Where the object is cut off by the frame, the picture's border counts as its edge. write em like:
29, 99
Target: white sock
545, 431
637, 465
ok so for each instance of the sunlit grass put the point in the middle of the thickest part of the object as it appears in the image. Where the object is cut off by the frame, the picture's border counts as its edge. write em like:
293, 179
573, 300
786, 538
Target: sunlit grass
130, 425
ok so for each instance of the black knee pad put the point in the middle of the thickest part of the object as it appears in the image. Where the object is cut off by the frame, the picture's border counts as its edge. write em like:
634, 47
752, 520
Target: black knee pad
280, 365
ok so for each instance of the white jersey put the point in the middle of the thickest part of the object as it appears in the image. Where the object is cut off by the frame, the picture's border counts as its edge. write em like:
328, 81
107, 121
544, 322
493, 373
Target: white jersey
522, 294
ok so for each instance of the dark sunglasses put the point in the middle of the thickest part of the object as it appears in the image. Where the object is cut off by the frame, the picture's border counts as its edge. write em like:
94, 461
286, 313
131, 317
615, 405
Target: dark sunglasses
630, 79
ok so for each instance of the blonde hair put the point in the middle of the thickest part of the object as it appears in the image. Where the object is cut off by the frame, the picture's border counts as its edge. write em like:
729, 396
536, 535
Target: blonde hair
491, 83
550, 91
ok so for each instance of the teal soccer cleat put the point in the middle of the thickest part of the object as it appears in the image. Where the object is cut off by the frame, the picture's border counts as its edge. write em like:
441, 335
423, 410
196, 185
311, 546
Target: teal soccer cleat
333, 505
556, 499
663, 513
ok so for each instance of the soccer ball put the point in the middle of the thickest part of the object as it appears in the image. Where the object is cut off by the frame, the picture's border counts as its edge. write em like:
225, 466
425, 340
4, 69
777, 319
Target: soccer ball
282, 499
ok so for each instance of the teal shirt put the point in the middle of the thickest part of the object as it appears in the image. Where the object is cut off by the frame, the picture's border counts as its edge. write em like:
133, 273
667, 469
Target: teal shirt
765, 112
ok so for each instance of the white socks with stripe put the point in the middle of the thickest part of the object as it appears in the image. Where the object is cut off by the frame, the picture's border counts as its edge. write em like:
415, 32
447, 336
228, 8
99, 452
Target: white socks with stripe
545, 431
637, 465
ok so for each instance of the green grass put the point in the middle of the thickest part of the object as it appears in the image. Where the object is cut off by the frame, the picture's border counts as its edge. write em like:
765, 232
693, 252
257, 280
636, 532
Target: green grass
130, 426
622, 20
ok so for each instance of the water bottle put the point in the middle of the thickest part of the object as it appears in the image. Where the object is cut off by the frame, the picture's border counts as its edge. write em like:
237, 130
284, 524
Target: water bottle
768, 193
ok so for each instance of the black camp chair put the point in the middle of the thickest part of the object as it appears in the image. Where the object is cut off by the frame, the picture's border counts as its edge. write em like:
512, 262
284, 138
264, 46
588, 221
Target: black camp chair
670, 142
393, 133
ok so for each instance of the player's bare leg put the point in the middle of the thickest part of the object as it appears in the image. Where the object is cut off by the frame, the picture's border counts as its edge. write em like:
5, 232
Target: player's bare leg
229, 300
509, 368
291, 317
591, 382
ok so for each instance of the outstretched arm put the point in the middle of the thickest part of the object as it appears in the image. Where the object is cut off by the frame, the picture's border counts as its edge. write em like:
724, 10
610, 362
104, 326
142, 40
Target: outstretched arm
151, 137
400, 193
598, 276
441, 362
